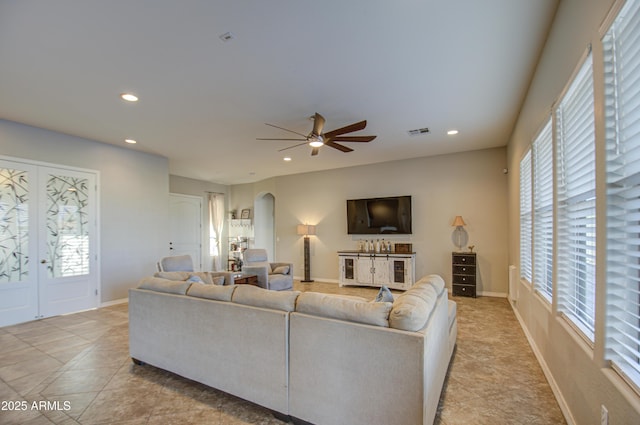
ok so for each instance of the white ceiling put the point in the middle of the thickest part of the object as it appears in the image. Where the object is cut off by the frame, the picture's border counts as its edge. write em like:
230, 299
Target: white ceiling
401, 65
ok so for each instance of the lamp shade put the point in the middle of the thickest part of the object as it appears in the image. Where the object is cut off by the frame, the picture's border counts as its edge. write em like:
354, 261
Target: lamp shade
458, 221
306, 229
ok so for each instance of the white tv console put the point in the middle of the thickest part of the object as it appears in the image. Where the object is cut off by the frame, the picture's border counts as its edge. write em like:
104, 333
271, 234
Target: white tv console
393, 270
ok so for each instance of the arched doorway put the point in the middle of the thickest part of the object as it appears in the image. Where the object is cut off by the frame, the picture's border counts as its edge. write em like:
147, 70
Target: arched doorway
264, 223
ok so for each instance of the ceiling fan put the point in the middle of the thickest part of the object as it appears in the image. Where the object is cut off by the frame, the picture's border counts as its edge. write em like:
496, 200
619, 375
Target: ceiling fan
317, 138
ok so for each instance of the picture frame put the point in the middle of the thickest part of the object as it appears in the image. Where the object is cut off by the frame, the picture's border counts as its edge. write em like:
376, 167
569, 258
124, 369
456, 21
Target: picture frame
246, 213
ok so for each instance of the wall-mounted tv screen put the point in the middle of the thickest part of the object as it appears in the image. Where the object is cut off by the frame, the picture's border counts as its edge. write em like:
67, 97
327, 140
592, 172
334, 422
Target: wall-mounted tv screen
373, 216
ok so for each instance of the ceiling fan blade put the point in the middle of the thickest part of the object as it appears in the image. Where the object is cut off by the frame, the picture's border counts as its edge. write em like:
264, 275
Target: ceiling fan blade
294, 146
318, 124
354, 138
348, 129
315, 151
296, 140
286, 129
338, 146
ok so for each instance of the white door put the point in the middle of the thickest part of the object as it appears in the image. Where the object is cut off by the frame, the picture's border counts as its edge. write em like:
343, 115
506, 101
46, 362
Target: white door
185, 227
48, 240
18, 243
67, 241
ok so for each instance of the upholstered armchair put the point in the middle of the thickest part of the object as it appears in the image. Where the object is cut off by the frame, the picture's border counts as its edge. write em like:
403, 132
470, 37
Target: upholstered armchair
275, 276
176, 263
183, 265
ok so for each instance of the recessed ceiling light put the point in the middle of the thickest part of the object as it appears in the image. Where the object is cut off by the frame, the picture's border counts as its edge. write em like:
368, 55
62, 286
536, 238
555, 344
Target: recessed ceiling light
452, 132
287, 158
129, 97
130, 141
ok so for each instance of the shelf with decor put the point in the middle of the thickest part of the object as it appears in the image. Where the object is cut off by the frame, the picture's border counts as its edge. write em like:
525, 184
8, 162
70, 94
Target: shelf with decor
240, 239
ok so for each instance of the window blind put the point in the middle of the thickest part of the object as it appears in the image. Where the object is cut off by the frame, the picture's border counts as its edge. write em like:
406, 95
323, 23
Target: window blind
543, 211
576, 245
622, 121
526, 221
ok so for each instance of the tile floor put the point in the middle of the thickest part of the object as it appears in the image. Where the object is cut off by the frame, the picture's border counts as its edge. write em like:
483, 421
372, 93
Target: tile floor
75, 369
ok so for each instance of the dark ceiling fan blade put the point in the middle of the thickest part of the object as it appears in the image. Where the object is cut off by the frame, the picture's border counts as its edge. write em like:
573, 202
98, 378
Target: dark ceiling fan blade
338, 146
315, 151
286, 129
294, 146
348, 129
353, 138
296, 140
318, 124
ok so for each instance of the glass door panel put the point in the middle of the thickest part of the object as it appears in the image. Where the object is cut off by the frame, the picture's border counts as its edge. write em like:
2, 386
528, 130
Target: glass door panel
68, 278
18, 276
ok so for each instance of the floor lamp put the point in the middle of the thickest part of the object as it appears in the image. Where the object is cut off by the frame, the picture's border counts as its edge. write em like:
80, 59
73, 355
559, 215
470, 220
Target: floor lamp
306, 230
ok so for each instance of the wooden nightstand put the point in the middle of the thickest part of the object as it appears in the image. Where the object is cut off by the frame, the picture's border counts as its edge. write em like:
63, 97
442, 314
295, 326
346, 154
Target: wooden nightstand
463, 281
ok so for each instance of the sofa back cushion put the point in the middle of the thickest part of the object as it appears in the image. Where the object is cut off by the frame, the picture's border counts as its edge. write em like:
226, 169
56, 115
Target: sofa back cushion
211, 292
412, 309
205, 277
164, 285
260, 297
344, 308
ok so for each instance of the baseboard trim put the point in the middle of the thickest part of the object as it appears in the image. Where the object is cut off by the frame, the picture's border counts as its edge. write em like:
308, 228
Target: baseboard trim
545, 369
493, 294
114, 302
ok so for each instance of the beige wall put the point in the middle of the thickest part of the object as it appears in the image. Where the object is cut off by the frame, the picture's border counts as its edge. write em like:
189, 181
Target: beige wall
470, 184
134, 189
577, 372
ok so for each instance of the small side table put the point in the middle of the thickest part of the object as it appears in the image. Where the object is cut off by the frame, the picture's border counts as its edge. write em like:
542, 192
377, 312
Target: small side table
246, 279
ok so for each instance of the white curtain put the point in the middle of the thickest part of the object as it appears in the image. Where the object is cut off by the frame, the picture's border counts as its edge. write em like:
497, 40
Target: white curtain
216, 222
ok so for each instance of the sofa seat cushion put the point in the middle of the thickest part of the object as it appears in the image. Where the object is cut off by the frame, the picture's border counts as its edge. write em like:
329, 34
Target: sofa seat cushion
164, 285
211, 292
412, 309
344, 308
260, 297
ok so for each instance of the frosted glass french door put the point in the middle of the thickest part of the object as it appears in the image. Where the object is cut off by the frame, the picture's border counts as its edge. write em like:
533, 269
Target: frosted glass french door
48, 231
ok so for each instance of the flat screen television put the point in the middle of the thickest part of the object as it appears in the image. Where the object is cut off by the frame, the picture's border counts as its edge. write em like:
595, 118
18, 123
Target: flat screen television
374, 216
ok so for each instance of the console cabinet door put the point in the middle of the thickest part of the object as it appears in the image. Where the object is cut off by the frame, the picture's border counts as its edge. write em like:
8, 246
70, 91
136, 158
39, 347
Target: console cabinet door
363, 270
382, 271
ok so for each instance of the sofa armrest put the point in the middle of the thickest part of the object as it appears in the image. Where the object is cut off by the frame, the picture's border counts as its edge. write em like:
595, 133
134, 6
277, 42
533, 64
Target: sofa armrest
261, 272
290, 265
228, 277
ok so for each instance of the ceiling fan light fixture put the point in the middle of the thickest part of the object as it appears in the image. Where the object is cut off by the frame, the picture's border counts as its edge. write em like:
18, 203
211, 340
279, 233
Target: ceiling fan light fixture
315, 141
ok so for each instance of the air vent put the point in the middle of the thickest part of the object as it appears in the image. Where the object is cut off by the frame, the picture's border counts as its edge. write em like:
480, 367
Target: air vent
227, 36
418, 131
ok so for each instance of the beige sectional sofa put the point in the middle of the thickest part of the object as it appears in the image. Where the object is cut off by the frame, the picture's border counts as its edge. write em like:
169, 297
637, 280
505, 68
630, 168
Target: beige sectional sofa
314, 358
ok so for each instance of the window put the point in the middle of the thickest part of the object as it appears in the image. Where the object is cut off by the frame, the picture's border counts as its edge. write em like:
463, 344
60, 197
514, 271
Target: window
622, 110
575, 174
543, 211
526, 221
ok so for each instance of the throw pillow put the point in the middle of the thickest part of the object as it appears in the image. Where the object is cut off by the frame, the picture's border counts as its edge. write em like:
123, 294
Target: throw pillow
218, 280
281, 270
384, 295
193, 279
